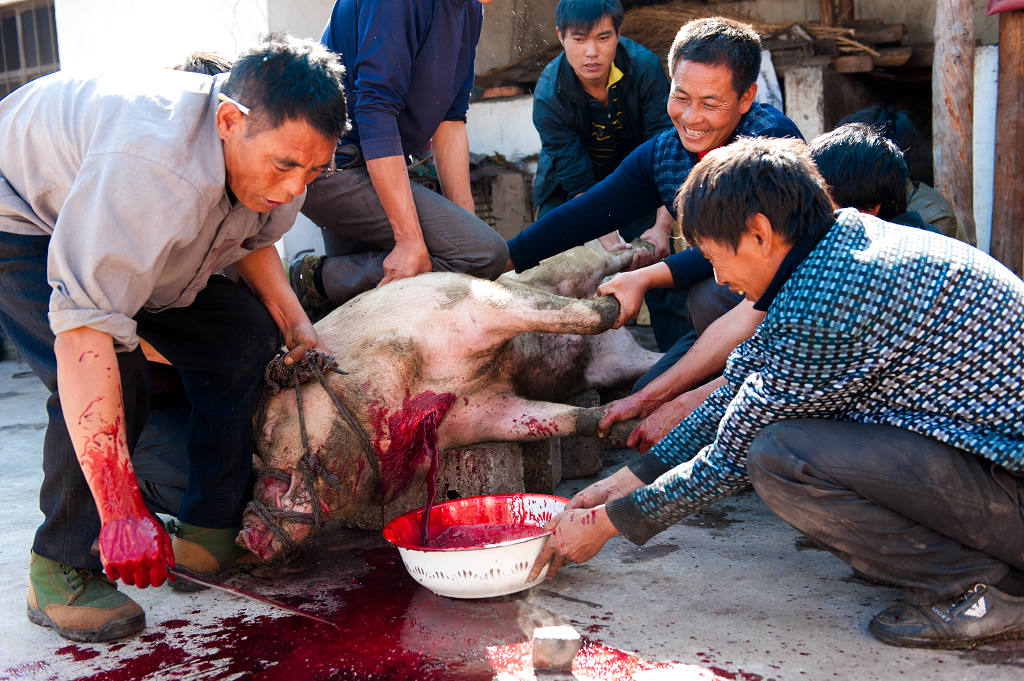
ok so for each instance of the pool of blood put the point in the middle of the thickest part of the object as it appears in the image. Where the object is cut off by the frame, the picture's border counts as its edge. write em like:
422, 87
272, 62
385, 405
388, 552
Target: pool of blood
466, 536
391, 630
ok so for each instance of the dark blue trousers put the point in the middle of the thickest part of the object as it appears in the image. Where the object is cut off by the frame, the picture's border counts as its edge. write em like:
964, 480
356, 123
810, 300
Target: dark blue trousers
220, 345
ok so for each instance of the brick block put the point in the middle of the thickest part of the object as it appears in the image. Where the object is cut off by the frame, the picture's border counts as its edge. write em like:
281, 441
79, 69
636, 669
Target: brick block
582, 455
488, 468
554, 648
542, 465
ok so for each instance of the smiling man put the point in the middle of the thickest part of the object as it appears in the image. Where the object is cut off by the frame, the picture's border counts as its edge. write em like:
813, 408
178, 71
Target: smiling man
713, 65
877, 408
120, 199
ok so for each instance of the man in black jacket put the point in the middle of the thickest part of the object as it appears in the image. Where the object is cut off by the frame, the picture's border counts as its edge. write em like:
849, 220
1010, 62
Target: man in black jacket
595, 103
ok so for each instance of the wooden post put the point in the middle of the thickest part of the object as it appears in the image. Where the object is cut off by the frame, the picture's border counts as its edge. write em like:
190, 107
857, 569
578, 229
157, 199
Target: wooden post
826, 12
953, 107
1008, 207
844, 15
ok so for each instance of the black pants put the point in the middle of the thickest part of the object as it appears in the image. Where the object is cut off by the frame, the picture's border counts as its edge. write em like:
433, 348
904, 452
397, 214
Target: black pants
896, 506
220, 345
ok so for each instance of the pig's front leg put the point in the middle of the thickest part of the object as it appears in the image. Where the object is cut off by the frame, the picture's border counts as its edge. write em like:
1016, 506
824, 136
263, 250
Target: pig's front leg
524, 308
506, 417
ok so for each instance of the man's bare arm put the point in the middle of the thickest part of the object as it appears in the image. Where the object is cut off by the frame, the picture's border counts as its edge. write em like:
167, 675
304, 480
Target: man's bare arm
390, 179
451, 153
703, 361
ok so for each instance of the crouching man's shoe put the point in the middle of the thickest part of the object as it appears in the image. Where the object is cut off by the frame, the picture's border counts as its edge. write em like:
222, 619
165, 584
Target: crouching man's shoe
983, 614
80, 604
204, 551
302, 277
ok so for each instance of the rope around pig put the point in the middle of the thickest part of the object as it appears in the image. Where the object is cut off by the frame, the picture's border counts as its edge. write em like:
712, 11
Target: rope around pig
313, 365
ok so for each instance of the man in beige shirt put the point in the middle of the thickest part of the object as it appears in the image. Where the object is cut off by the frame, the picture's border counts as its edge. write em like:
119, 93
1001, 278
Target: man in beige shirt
120, 198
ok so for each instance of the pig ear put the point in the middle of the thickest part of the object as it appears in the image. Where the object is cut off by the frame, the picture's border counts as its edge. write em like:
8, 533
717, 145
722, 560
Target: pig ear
268, 428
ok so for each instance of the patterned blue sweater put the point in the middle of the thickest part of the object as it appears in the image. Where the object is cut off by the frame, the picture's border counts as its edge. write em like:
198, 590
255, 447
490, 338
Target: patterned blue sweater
880, 324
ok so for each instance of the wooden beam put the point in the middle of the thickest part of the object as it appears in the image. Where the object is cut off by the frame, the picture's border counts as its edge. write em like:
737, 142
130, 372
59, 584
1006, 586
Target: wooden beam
880, 33
853, 63
892, 56
1008, 208
953, 107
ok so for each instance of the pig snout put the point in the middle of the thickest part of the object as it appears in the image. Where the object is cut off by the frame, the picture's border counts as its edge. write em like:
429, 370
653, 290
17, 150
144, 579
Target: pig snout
284, 501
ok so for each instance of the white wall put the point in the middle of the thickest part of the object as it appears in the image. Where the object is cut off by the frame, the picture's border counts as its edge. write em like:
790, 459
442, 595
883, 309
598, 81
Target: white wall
304, 18
104, 35
504, 126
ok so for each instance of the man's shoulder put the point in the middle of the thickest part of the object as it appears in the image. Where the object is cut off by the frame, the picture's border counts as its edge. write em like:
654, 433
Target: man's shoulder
547, 83
764, 120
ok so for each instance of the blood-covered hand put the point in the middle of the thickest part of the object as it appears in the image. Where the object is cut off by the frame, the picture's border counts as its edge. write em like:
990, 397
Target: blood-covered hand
577, 537
136, 550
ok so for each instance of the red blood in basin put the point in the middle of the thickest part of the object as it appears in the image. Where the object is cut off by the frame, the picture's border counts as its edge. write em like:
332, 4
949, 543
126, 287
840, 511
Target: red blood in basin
474, 536
533, 510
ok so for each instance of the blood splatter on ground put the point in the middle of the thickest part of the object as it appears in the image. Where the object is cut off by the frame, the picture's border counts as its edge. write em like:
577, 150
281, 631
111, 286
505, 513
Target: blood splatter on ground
391, 630
78, 654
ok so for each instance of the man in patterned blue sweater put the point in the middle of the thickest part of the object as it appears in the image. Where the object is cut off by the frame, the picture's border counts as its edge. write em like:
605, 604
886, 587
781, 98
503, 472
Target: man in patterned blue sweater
878, 408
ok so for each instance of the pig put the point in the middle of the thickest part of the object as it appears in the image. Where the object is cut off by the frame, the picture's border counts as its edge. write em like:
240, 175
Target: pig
435, 361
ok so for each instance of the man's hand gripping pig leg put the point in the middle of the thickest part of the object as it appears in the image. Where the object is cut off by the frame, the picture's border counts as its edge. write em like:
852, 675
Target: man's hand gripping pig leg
133, 545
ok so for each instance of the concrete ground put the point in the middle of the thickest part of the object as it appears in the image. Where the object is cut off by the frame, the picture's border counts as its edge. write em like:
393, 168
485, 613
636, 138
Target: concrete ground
728, 594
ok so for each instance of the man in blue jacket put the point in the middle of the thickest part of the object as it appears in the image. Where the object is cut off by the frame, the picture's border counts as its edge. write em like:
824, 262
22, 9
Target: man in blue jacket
713, 64
877, 408
594, 103
409, 72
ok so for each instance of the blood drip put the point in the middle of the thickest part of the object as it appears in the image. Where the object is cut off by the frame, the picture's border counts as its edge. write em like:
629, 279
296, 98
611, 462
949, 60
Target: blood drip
466, 536
413, 442
430, 446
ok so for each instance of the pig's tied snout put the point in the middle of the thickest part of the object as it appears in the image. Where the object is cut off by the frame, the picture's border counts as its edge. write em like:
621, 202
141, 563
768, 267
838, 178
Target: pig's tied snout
313, 365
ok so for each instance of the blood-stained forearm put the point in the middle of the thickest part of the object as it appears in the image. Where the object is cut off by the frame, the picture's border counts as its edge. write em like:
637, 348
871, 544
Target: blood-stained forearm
133, 545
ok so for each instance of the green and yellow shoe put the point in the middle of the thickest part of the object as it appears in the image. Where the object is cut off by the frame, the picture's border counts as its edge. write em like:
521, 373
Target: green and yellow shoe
302, 277
80, 604
204, 551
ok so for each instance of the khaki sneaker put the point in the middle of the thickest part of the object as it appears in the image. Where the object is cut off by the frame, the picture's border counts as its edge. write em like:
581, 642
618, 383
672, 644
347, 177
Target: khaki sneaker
204, 551
302, 276
80, 604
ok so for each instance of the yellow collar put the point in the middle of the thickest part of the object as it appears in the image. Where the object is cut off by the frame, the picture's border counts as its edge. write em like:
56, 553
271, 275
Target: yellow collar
614, 76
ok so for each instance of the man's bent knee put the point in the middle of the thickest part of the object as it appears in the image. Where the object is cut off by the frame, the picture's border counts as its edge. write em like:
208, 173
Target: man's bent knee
493, 257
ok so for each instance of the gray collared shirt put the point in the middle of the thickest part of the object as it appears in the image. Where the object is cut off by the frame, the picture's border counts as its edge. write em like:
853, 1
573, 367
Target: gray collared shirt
126, 175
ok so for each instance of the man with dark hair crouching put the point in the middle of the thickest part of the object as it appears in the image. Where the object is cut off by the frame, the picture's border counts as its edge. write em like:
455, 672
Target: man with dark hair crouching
878, 408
